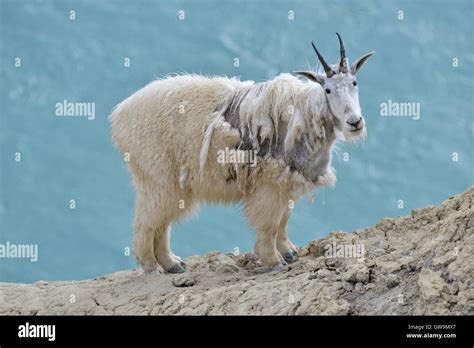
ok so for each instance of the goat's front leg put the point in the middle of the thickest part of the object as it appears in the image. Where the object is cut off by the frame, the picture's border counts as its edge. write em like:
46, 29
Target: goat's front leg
286, 248
265, 209
266, 250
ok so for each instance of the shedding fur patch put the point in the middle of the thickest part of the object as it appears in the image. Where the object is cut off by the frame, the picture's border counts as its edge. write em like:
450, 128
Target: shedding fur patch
263, 107
217, 122
261, 111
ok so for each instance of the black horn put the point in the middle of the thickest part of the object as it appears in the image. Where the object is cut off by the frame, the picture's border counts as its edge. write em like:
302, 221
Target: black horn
327, 69
342, 63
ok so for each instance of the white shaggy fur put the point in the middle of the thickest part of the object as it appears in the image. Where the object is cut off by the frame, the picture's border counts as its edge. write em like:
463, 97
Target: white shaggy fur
172, 130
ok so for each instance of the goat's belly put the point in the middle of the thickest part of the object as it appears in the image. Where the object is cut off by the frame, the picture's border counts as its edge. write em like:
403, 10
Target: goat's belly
218, 188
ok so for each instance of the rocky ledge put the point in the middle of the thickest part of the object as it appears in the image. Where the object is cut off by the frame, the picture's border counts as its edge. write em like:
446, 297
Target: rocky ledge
422, 263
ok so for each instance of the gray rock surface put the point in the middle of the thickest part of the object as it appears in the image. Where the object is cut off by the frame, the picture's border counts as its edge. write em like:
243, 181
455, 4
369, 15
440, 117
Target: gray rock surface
422, 263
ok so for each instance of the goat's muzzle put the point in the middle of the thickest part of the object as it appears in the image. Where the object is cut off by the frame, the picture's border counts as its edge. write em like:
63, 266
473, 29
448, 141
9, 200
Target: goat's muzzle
355, 123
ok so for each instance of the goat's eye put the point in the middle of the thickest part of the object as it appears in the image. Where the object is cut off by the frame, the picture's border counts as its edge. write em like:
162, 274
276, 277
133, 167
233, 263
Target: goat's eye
354, 83
328, 91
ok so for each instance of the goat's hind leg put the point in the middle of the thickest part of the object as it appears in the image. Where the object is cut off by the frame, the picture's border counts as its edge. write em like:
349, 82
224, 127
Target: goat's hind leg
143, 247
169, 261
152, 239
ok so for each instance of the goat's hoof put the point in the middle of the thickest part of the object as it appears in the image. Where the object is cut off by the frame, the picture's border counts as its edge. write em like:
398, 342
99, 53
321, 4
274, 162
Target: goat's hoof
290, 256
183, 264
176, 269
279, 267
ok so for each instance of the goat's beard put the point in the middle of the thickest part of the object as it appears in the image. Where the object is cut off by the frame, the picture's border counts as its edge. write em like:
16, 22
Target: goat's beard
352, 137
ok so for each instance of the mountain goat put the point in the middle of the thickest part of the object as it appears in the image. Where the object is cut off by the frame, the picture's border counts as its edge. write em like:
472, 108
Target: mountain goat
191, 139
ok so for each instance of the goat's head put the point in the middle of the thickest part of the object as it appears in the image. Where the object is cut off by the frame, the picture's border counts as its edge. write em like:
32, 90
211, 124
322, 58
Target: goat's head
340, 86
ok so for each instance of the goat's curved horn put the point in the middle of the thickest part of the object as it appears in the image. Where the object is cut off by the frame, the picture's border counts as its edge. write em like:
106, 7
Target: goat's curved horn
327, 69
342, 63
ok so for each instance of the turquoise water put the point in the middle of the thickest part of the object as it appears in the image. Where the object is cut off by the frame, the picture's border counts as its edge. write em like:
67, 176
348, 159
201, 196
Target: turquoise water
82, 60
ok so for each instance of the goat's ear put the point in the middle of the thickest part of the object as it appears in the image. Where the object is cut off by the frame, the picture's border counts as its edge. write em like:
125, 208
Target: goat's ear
311, 75
355, 67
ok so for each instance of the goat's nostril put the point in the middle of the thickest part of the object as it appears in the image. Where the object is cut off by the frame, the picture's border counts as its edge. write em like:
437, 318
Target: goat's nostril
354, 124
